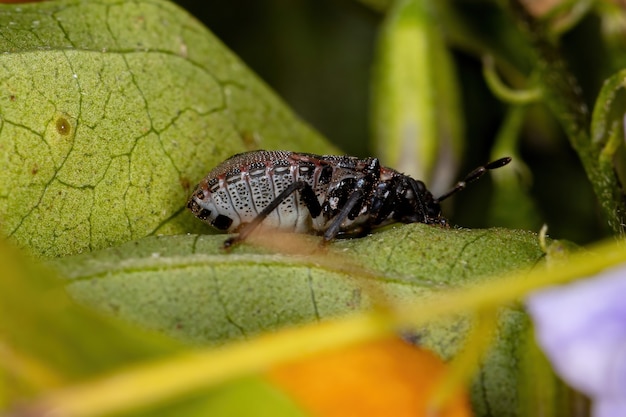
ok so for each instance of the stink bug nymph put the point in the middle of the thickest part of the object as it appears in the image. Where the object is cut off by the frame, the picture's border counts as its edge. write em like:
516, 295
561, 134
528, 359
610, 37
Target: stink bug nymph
321, 194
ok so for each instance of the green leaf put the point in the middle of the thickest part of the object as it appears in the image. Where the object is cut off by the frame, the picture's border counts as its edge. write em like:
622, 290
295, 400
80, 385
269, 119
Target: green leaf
47, 342
251, 397
42, 325
111, 111
188, 287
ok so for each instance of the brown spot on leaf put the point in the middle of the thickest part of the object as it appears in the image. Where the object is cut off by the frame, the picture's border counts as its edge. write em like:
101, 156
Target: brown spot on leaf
185, 183
35, 169
63, 126
250, 140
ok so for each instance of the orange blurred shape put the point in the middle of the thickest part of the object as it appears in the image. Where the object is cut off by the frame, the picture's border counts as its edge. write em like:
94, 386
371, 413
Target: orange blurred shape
382, 378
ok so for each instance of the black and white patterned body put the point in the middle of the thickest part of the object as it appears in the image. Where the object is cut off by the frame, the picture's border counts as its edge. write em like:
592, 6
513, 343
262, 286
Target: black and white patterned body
321, 194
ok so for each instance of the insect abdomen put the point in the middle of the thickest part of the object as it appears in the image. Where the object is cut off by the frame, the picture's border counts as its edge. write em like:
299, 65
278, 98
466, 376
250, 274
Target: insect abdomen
235, 192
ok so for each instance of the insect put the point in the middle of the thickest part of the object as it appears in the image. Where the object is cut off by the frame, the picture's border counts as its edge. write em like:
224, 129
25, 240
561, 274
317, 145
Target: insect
320, 194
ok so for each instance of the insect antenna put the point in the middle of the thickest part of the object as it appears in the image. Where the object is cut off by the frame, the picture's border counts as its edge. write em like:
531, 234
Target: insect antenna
473, 176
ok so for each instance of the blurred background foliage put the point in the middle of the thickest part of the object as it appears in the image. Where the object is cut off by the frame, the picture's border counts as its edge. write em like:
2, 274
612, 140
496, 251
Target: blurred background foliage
319, 54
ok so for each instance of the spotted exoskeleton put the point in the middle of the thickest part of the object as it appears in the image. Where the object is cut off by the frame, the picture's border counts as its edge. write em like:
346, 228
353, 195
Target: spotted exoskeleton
320, 194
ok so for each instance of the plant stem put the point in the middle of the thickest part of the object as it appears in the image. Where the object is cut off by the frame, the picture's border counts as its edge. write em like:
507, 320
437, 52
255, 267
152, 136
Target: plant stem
562, 95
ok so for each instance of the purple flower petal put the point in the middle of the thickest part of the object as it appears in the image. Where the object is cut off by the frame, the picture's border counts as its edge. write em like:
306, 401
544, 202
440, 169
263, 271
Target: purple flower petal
582, 329
613, 408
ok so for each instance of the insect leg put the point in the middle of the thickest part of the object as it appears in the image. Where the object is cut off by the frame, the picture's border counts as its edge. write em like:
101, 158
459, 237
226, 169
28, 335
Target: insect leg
308, 197
361, 189
333, 229
383, 200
